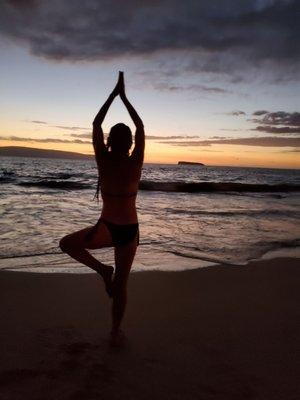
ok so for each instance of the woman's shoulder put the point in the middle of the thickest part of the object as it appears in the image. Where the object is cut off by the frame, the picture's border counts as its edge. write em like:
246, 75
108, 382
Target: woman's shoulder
137, 158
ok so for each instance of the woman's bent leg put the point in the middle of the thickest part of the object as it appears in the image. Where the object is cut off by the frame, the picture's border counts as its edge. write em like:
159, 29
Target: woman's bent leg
75, 246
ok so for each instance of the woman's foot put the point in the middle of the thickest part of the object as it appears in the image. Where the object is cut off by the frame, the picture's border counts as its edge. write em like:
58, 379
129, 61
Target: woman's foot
117, 338
106, 271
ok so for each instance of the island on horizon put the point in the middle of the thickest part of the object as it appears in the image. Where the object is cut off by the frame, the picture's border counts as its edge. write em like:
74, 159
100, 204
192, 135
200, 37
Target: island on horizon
19, 151
190, 163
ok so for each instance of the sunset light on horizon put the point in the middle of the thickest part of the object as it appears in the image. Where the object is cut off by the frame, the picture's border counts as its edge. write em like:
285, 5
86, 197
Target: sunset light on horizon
231, 98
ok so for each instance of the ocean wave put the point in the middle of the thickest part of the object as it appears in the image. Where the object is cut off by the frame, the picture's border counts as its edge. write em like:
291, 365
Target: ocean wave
257, 252
62, 181
7, 257
4, 171
194, 256
198, 187
236, 213
277, 244
54, 184
59, 175
6, 176
6, 179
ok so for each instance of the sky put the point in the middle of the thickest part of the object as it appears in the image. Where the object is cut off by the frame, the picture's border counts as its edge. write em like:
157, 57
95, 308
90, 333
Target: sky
214, 81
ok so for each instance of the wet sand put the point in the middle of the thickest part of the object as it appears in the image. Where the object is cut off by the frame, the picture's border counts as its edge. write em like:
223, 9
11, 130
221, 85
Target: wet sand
214, 333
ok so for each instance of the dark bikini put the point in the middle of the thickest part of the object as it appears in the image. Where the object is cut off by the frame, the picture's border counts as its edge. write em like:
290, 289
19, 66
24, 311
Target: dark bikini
120, 234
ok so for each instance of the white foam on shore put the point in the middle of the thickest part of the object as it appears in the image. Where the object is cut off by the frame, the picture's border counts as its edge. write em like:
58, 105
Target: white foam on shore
147, 258
282, 252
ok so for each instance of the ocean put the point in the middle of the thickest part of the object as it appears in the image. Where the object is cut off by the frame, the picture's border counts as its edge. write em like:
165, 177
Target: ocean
190, 216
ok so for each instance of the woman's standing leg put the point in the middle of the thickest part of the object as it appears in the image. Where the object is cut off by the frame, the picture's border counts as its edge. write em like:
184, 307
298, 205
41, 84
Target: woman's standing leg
124, 256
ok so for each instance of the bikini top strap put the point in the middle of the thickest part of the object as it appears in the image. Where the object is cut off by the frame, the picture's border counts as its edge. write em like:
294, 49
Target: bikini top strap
118, 194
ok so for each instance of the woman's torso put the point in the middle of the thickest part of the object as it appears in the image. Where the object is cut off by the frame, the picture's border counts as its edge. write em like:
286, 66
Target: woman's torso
119, 181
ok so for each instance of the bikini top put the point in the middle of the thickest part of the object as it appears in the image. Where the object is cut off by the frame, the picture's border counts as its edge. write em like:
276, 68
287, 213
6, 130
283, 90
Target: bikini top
118, 194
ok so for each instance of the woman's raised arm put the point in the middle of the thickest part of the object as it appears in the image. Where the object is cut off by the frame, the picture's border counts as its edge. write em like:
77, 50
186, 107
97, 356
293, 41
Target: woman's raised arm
98, 138
139, 133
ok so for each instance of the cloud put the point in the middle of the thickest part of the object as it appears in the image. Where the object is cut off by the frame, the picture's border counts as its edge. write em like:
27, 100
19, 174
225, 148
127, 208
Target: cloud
165, 86
148, 137
80, 135
260, 112
211, 151
70, 128
45, 140
210, 36
291, 151
275, 129
254, 141
236, 113
269, 141
277, 122
230, 129
65, 127
218, 137
279, 118
39, 122
151, 137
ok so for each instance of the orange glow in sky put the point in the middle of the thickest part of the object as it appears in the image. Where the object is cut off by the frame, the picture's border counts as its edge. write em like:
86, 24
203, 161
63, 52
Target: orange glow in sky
214, 155
205, 94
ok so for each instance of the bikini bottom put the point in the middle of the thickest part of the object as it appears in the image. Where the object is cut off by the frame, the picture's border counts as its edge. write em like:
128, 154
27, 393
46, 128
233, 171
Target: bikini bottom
120, 234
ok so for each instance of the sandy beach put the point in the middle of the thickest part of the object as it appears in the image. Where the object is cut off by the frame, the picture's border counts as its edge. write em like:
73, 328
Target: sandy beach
213, 333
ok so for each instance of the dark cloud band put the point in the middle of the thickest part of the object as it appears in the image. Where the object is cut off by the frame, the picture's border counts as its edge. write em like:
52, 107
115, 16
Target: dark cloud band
256, 141
45, 140
65, 127
278, 118
225, 33
277, 122
275, 129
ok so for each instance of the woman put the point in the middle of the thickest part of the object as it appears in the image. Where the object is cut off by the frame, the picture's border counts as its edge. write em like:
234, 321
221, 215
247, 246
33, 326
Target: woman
119, 175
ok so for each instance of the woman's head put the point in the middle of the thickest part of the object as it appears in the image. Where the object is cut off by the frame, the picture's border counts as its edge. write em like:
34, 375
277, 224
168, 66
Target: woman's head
119, 139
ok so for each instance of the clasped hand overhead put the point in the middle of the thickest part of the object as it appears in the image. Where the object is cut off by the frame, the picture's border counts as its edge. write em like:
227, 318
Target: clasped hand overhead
120, 86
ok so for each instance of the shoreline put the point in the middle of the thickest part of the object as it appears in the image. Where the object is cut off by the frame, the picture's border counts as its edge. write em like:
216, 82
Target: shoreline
220, 333
77, 269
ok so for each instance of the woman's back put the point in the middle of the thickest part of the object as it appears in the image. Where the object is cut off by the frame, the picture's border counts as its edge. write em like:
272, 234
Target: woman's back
119, 181
119, 175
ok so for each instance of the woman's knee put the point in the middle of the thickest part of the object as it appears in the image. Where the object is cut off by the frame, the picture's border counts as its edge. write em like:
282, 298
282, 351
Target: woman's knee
65, 243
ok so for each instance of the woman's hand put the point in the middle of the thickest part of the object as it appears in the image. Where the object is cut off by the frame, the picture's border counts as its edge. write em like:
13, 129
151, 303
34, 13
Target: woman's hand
120, 87
121, 84
116, 91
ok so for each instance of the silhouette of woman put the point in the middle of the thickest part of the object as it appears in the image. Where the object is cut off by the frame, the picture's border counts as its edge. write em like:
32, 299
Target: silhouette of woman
119, 175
